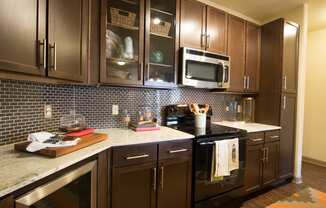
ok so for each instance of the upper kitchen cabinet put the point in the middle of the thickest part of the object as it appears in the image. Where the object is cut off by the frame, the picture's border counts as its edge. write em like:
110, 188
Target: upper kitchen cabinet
290, 57
23, 36
122, 42
237, 50
216, 30
192, 24
68, 35
49, 38
252, 57
203, 27
160, 43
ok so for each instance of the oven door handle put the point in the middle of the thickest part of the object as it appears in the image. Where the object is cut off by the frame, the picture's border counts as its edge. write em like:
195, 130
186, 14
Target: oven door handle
41, 192
206, 143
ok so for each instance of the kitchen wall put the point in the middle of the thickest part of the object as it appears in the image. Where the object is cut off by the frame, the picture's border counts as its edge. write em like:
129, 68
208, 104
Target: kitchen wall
315, 111
22, 105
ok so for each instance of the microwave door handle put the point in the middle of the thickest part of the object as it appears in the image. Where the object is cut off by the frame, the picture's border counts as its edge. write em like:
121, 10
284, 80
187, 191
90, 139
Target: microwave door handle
223, 80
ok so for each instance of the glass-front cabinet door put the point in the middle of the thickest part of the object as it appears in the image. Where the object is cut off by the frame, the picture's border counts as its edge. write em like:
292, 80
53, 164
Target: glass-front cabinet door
122, 42
160, 42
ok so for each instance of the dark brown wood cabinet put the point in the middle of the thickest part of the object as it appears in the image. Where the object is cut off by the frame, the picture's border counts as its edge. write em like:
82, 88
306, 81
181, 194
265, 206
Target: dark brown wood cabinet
174, 183
121, 22
7, 202
22, 36
290, 57
276, 102
253, 173
134, 186
50, 39
252, 57
262, 160
192, 24
288, 119
149, 182
67, 37
237, 50
271, 162
216, 30
175, 168
203, 27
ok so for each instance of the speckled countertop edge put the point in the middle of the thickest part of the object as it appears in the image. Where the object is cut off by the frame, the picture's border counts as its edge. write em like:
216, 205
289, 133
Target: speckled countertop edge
18, 169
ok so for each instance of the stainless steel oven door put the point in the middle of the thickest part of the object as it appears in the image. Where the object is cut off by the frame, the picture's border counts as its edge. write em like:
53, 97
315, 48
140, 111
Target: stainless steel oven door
77, 188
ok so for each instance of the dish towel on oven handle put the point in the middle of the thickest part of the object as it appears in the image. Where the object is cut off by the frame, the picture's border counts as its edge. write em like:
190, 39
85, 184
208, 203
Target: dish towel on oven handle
221, 154
233, 151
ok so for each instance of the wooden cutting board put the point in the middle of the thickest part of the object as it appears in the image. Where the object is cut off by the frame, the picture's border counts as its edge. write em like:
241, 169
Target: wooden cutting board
85, 141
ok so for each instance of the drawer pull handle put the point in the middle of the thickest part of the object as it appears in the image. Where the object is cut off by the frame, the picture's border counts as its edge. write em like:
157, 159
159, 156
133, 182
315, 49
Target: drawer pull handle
137, 157
275, 137
178, 151
257, 140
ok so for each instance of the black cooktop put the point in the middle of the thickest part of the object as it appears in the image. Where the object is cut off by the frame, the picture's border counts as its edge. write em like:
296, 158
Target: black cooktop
210, 131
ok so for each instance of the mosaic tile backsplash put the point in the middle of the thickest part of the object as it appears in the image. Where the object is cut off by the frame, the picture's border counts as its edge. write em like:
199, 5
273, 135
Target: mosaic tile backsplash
22, 105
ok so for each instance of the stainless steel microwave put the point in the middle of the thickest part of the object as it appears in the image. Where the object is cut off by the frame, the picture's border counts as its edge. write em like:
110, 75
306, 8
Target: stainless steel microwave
202, 69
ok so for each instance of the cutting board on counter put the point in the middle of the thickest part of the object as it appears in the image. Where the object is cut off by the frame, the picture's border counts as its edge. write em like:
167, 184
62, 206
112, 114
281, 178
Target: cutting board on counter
85, 141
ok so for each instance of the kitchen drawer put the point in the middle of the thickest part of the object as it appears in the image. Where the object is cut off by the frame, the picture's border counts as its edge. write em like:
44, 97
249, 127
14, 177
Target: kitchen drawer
134, 154
255, 138
272, 136
175, 149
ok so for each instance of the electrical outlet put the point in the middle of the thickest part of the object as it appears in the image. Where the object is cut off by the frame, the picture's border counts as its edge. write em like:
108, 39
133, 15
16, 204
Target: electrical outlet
115, 110
47, 111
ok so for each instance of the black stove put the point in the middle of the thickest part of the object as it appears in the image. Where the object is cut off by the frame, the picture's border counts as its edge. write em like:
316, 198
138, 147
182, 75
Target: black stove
207, 194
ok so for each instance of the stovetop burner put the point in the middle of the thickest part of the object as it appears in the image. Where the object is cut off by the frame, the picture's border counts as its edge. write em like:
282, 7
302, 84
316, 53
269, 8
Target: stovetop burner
210, 131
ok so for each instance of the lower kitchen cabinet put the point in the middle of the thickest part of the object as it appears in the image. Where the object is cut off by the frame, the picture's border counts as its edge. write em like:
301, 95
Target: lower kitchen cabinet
288, 119
7, 202
253, 168
262, 160
270, 162
141, 180
174, 183
134, 186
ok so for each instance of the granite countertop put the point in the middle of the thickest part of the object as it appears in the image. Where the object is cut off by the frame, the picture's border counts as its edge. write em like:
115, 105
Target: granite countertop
18, 169
249, 127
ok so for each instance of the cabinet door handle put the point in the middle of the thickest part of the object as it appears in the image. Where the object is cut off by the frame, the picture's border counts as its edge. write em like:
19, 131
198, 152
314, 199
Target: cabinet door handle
147, 71
248, 82
178, 151
208, 41
154, 179
275, 137
54, 47
203, 42
162, 178
257, 140
245, 82
43, 43
140, 70
137, 157
284, 102
285, 83
263, 150
267, 154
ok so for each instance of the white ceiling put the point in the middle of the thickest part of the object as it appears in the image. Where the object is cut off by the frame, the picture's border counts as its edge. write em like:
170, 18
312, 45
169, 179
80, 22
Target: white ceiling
261, 10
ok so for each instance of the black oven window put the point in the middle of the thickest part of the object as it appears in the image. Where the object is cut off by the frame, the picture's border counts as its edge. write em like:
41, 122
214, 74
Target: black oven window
77, 194
203, 71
